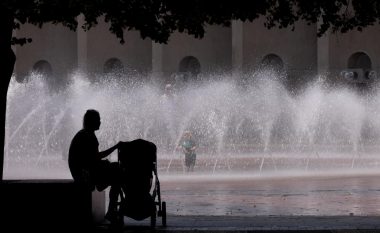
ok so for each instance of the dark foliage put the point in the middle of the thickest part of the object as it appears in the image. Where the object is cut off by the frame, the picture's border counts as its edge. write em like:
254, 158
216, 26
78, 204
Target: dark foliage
158, 19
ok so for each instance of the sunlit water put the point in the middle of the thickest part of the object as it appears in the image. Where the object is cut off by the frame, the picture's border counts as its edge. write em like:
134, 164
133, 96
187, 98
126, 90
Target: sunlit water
257, 128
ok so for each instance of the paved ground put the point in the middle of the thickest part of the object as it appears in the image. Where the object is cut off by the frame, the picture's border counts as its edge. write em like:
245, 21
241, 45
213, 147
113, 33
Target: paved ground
258, 224
274, 194
338, 199
283, 202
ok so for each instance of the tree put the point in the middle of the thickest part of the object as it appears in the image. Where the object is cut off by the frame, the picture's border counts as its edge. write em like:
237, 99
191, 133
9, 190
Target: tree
158, 19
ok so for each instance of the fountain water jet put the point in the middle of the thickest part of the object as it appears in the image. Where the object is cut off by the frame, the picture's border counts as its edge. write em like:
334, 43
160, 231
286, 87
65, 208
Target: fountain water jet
237, 128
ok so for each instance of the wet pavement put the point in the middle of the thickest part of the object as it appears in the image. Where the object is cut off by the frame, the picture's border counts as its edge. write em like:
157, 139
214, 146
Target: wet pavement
257, 224
338, 199
352, 193
285, 202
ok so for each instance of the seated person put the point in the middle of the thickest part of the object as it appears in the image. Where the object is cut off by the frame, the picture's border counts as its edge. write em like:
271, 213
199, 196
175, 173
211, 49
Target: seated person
88, 166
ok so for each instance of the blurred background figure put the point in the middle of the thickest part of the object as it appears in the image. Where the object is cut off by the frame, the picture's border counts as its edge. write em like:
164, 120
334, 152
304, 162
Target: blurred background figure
188, 148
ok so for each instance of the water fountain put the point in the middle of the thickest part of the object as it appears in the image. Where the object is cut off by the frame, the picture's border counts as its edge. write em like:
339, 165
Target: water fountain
256, 128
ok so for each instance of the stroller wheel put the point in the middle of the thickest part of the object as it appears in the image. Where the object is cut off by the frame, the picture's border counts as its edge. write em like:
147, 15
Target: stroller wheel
163, 213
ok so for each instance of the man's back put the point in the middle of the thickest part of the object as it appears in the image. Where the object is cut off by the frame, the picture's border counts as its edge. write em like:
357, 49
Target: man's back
82, 153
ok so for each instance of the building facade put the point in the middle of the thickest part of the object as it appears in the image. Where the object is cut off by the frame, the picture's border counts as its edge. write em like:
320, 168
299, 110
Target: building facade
240, 49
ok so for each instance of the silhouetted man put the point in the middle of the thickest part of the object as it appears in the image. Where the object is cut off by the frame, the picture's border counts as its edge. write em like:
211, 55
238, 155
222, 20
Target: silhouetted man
88, 166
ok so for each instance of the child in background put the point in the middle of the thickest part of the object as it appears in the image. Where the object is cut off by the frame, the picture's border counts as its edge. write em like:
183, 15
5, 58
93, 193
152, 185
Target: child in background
188, 147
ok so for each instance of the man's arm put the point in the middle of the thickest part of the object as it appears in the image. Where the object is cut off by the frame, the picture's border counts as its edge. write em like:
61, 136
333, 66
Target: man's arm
107, 152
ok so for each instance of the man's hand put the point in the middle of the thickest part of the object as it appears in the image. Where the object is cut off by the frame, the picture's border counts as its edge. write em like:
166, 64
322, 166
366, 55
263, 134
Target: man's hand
107, 152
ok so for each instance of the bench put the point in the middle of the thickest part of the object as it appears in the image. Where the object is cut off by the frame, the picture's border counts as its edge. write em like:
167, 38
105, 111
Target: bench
47, 205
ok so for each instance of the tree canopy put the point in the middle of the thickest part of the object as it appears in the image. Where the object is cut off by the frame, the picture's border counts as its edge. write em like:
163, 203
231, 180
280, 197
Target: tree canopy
158, 19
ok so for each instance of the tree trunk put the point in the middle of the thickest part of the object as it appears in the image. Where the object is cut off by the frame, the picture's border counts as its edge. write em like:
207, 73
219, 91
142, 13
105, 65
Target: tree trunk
7, 61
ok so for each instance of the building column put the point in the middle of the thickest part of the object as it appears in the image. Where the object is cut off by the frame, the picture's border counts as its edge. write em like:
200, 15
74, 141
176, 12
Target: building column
82, 46
323, 52
237, 47
157, 62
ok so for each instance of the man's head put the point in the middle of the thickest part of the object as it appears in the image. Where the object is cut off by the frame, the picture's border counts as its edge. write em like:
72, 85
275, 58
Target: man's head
91, 120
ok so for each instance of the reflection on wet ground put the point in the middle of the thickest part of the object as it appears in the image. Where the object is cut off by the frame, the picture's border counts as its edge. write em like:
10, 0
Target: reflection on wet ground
330, 192
215, 194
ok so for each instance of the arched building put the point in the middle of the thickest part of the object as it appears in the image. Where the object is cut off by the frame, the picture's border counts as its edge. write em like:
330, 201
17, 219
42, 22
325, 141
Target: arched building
243, 47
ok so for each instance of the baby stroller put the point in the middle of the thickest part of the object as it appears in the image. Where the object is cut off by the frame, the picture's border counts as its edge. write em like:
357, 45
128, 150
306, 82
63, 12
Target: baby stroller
138, 163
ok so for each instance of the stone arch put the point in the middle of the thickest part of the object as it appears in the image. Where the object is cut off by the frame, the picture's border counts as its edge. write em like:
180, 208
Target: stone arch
273, 62
190, 65
43, 67
359, 60
359, 71
113, 65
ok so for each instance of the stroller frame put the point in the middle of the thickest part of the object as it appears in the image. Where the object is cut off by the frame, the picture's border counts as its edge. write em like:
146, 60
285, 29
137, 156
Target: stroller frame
155, 200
